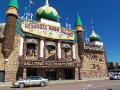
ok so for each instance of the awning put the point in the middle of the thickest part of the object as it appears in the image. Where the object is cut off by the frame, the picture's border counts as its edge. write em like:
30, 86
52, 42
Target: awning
66, 46
50, 43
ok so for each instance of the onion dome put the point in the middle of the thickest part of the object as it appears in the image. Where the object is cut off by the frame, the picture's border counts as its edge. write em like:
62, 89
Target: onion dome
47, 12
94, 37
13, 3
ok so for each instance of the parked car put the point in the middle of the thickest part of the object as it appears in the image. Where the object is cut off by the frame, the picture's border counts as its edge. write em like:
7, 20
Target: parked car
31, 81
114, 76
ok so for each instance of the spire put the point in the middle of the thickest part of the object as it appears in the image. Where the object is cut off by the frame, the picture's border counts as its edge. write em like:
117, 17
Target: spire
46, 2
92, 24
78, 21
13, 3
93, 33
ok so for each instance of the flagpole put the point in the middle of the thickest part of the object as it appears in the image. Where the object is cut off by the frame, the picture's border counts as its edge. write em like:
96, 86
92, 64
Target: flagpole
29, 7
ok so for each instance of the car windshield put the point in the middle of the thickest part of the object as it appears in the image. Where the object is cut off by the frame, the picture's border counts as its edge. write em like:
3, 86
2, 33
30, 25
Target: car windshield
34, 78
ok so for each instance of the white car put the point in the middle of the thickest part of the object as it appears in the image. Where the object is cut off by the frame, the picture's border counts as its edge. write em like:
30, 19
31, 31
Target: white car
114, 76
31, 81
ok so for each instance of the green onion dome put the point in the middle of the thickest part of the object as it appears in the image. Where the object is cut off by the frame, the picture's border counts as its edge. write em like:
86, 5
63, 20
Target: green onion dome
94, 37
47, 12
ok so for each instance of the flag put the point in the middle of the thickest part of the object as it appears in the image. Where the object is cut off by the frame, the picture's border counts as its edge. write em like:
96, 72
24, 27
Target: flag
31, 2
27, 14
67, 25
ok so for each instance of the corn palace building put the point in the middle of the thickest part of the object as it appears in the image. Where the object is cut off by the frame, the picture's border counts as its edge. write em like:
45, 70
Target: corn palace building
44, 48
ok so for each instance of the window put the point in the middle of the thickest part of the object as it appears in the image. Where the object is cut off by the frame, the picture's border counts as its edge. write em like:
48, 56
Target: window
100, 60
50, 50
67, 52
31, 48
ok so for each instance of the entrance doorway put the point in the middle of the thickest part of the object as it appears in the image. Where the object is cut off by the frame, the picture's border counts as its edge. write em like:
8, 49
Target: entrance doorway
68, 74
2, 74
51, 74
31, 72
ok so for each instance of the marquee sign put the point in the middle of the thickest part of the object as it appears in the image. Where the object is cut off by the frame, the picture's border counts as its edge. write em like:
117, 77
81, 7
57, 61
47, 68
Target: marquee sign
47, 31
49, 64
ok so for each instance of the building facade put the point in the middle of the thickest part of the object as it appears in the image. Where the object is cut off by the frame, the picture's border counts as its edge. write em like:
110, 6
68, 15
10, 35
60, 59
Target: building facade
43, 48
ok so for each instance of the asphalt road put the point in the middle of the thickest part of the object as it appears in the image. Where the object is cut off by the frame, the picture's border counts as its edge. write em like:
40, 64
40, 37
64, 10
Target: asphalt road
86, 85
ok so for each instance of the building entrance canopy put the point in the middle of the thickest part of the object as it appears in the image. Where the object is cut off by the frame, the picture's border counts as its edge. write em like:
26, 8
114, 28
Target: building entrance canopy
48, 31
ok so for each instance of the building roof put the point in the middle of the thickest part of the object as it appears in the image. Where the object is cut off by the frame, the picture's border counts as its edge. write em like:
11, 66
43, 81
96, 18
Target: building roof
78, 21
13, 3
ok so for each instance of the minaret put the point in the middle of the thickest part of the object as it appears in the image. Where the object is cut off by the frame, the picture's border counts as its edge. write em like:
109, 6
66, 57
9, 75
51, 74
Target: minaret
79, 30
10, 28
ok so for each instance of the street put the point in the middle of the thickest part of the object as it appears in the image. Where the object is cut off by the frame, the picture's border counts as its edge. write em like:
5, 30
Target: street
79, 85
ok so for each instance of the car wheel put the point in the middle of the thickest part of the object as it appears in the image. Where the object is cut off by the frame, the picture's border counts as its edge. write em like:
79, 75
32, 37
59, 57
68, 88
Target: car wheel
21, 85
111, 78
42, 84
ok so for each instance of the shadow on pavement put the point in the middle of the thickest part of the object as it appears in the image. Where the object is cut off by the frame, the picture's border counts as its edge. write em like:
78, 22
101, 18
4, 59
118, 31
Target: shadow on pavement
109, 89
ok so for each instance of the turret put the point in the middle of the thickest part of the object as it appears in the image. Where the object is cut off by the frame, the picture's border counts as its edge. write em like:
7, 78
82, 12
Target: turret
10, 28
94, 39
79, 30
78, 24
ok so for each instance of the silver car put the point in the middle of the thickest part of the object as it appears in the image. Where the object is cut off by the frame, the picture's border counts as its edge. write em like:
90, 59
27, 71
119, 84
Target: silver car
114, 76
31, 81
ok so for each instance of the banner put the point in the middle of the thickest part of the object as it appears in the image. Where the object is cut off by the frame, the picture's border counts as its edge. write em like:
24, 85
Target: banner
47, 31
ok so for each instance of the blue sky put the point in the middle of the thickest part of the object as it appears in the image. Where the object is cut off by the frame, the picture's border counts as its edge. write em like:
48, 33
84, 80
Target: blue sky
105, 14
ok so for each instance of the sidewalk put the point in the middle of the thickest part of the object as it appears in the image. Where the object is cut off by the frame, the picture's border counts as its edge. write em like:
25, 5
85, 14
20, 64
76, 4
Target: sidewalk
9, 84
6, 84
